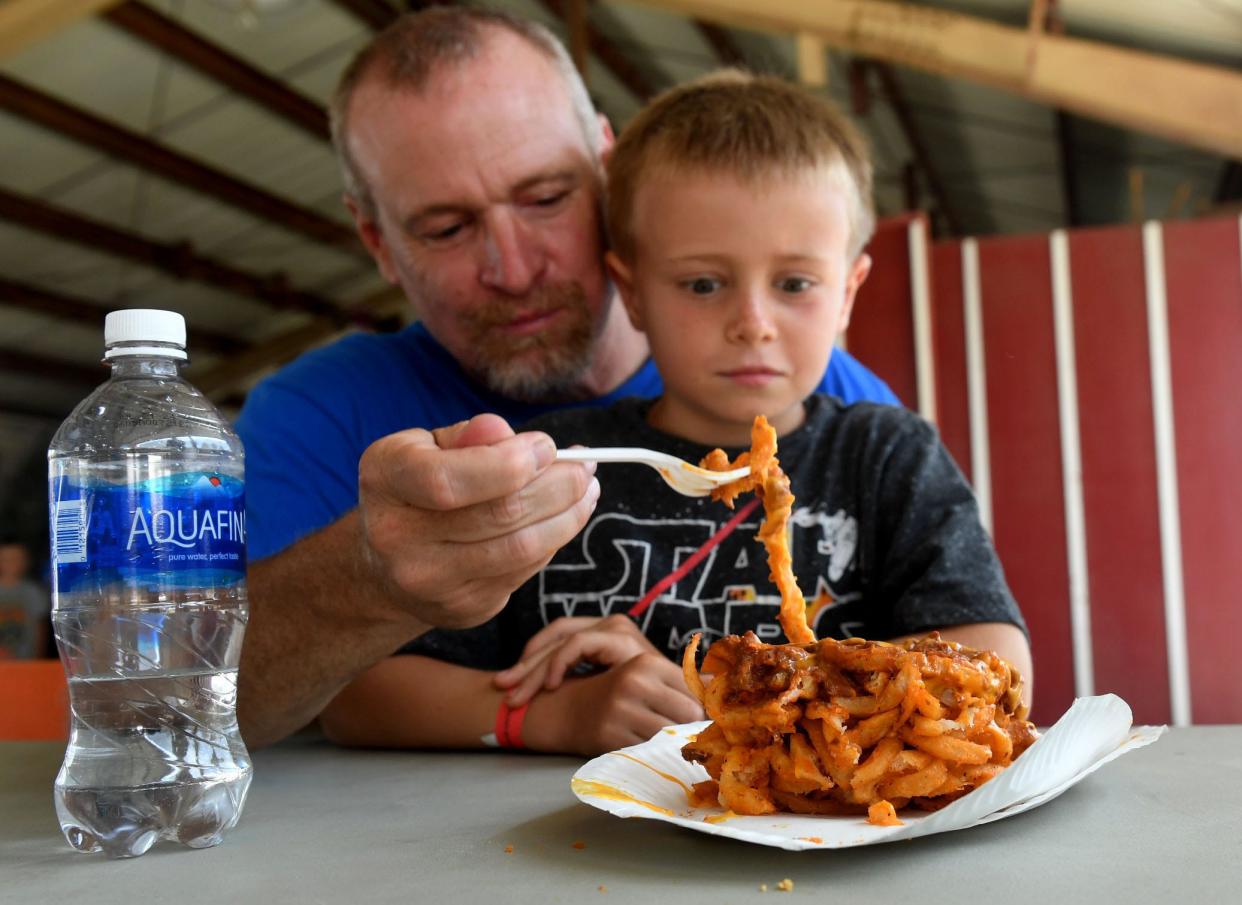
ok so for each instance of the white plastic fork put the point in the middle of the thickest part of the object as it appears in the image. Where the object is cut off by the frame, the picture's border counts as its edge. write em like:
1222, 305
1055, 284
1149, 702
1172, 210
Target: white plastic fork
687, 479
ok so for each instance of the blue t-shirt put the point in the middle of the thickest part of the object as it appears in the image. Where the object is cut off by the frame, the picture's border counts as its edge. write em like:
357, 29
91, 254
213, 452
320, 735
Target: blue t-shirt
306, 427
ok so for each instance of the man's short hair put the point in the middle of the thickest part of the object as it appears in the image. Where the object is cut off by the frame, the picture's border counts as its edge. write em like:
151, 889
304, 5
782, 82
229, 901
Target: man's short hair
407, 53
747, 126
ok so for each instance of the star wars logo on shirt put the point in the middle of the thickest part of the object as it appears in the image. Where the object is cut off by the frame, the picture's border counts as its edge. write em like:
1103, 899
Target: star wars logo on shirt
618, 558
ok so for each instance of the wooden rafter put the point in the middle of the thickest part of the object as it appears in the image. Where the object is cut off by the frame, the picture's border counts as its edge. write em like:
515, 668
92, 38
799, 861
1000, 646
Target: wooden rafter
189, 48
66, 307
88, 129
25, 22
812, 58
179, 260
579, 35
1191, 103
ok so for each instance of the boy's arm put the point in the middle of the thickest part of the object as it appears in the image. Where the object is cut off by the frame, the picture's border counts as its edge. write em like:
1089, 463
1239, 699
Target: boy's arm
936, 562
417, 702
413, 702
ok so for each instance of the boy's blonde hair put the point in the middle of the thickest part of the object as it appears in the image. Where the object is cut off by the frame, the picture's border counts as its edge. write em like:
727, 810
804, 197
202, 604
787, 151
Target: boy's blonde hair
747, 126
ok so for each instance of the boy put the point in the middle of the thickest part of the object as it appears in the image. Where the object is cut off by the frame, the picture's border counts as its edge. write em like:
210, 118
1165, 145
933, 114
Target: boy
738, 210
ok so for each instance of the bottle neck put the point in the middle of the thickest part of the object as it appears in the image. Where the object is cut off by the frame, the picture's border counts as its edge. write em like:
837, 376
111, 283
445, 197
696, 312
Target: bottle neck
124, 366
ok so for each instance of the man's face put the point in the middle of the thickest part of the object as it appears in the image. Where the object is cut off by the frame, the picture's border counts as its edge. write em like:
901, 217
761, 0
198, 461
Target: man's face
742, 290
487, 214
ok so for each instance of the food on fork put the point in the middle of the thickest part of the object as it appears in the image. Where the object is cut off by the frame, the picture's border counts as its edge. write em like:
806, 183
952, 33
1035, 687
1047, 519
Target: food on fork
842, 727
772, 486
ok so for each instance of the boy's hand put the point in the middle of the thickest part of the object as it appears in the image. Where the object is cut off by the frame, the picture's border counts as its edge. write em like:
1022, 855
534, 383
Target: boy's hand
626, 705
563, 644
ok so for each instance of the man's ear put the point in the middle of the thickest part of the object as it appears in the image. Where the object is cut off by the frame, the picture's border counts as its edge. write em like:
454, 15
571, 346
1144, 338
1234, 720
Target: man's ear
607, 138
623, 279
372, 238
857, 276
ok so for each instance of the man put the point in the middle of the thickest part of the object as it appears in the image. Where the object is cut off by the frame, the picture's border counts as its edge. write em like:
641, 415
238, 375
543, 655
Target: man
24, 605
472, 160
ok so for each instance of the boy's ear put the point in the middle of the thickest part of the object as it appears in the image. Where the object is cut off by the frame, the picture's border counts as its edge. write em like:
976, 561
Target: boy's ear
623, 279
372, 238
608, 138
857, 276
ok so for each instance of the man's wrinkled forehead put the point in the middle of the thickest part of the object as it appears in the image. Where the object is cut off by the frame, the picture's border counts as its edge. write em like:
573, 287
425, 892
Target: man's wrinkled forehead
480, 120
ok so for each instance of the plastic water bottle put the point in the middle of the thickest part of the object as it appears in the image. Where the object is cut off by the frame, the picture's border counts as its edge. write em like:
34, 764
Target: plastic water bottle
148, 532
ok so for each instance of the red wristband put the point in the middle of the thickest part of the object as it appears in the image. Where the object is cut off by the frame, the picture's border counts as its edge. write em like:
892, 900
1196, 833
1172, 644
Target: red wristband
508, 726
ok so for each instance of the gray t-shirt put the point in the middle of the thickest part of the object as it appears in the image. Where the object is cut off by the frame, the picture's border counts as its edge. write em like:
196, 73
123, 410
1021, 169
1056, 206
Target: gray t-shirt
23, 607
886, 541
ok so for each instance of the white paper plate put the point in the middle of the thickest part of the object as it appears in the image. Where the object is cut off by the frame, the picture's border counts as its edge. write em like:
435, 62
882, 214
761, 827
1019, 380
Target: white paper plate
648, 779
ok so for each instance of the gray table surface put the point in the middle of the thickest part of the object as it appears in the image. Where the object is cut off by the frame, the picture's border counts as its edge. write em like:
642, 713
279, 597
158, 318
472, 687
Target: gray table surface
1161, 824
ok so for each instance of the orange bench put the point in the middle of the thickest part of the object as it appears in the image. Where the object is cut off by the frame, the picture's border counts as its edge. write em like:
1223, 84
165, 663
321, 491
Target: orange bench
34, 701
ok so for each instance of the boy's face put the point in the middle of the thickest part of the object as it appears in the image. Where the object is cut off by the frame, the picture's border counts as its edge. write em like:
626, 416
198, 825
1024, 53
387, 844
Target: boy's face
742, 290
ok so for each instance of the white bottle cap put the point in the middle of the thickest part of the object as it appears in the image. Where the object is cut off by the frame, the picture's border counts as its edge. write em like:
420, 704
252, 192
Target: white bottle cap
144, 325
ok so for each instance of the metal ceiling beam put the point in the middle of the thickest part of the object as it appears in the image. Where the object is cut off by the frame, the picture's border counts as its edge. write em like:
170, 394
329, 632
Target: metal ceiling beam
52, 368
377, 14
1070, 195
722, 43
918, 147
189, 48
1191, 103
25, 22
224, 379
611, 56
1230, 186
51, 413
90, 130
66, 307
177, 259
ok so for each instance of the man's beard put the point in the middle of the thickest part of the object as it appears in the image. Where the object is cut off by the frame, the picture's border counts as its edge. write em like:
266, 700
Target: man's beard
541, 367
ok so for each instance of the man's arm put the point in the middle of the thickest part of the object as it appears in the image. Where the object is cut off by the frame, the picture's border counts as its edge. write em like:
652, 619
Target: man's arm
317, 619
449, 523
417, 702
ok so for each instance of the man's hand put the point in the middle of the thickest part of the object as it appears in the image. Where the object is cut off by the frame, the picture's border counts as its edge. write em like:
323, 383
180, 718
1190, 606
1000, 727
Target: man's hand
449, 523
454, 520
623, 706
564, 643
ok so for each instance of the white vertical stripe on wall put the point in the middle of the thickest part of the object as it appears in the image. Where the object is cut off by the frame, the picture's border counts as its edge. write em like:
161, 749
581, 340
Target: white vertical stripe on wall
920, 301
1166, 472
1071, 464
976, 382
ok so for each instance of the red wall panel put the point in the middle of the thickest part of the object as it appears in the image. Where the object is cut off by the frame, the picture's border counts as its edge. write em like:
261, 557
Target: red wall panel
949, 342
1027, 502
1204, 289
1119, 469
881, 332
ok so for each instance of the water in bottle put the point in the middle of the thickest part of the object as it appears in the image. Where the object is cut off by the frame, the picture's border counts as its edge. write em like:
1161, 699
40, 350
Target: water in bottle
148, 531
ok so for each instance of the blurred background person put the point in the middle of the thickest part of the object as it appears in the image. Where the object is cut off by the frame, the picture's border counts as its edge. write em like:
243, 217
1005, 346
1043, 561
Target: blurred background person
25, 606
